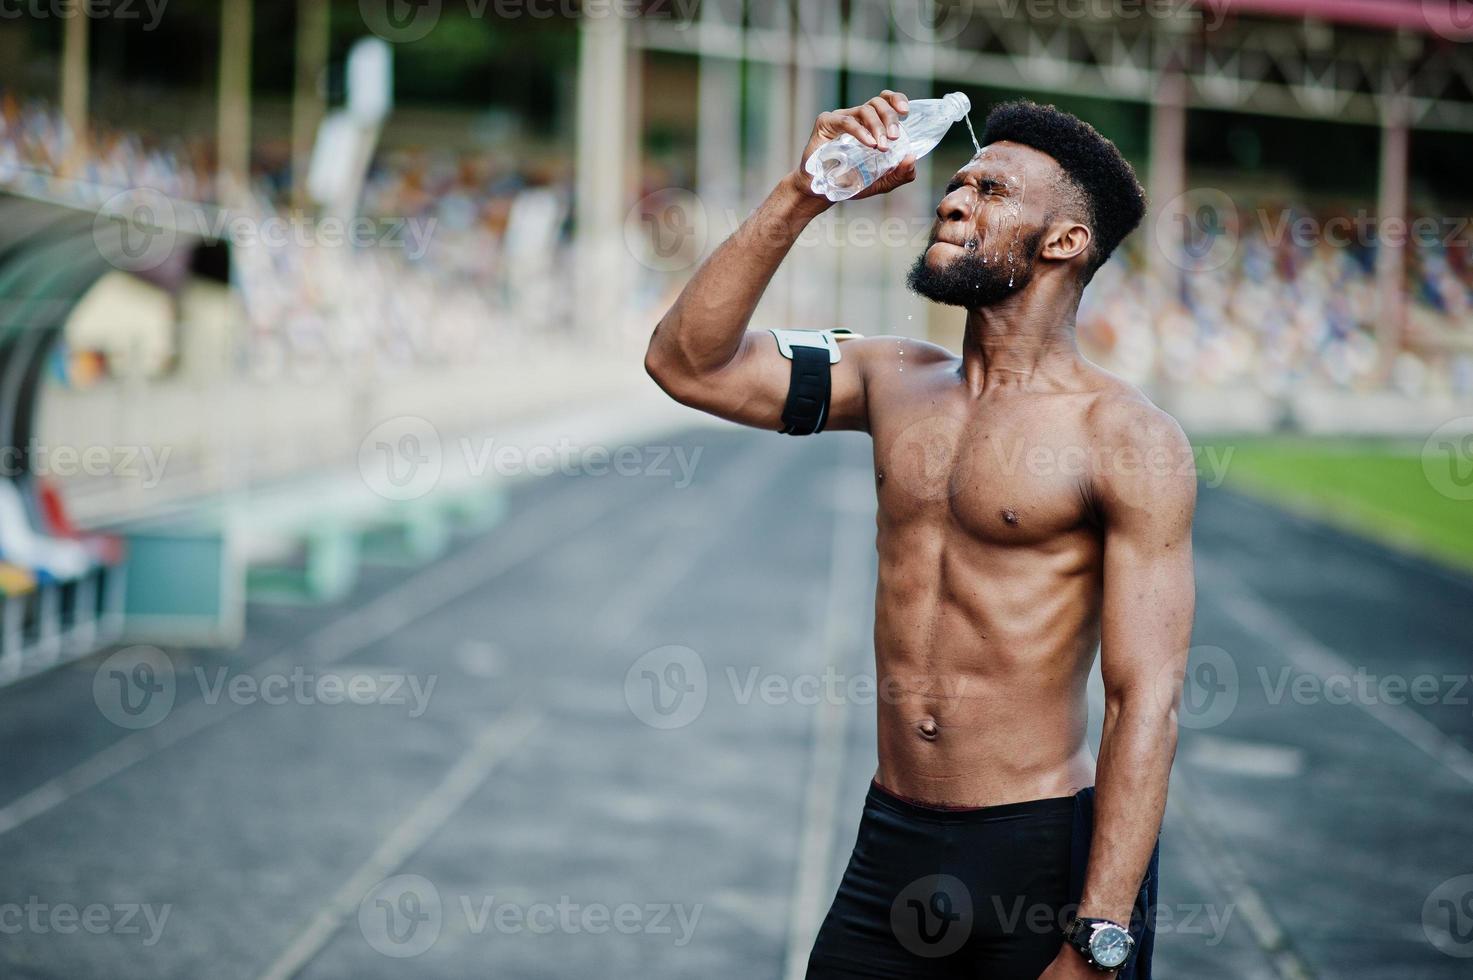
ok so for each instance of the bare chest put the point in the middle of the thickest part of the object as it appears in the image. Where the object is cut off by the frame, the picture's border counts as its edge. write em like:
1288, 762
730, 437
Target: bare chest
1011, 475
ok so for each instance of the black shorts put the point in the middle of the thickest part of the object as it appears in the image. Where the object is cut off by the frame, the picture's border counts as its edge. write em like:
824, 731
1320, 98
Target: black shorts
981, 893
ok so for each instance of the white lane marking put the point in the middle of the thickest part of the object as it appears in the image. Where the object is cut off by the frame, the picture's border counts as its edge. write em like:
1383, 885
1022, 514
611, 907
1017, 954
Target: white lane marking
642, 591
122, 754
848, 574
416, 597
1313, 657
479, 658
1243, 758
1375, 551
1213, 851
494, 743
686, 534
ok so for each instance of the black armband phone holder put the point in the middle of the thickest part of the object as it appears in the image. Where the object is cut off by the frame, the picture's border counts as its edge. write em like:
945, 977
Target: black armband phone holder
810, 382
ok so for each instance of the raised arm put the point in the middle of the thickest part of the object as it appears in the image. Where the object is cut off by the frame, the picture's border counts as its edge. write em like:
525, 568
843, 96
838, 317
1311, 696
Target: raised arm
702, 354
1146, 490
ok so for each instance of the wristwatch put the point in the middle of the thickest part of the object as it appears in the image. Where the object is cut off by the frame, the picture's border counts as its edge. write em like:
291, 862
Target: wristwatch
1105, 945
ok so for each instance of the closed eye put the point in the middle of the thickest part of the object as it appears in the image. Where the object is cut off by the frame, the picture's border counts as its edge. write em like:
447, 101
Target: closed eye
985, 185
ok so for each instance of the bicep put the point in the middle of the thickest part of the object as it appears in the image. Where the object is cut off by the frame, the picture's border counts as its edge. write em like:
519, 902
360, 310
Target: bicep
752, 388
1149, 586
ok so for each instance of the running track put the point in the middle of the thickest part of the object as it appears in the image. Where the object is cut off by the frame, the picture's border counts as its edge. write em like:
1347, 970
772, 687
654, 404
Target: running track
1306, 836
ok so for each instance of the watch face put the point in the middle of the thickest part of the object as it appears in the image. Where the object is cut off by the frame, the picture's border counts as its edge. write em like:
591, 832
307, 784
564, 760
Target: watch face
1110, 945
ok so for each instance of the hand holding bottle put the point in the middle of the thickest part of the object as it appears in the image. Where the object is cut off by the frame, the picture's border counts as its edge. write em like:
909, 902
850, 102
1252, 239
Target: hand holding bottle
847, 165
876, 125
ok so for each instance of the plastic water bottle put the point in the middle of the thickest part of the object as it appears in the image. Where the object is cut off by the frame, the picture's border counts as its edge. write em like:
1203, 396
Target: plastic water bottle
844, 166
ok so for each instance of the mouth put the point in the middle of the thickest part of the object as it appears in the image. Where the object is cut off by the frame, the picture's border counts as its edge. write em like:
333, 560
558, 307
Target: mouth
949, 245
968, 242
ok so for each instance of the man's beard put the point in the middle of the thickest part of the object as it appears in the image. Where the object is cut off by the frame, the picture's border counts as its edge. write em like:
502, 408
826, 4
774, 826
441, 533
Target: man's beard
973, 280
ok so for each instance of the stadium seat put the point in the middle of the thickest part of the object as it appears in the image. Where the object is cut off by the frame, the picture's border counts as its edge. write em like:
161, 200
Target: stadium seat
106, 550
59, 558
16, 585
64, 572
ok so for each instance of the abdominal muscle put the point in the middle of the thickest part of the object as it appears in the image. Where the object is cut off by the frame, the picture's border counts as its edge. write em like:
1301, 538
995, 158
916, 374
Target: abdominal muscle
982, 660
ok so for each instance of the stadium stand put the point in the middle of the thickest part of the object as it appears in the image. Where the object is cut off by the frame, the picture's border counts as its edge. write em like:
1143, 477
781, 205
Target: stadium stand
1282, 311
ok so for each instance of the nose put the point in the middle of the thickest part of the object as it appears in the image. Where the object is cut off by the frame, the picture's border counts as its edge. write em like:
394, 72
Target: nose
956, 206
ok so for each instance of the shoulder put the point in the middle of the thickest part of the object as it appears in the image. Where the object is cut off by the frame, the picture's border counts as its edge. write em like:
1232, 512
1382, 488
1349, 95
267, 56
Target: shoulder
1121, 415
901, 350
1143, 458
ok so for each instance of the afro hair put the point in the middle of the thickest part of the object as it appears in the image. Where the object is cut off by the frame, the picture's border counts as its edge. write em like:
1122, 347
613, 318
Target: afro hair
1112, 194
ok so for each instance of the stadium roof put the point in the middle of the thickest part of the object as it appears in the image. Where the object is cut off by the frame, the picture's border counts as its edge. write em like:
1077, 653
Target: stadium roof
1427, 16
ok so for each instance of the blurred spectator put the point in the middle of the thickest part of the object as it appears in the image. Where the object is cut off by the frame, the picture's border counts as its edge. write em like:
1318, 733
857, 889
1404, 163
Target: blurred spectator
1263, 303
452, 251
35, 142
465, 248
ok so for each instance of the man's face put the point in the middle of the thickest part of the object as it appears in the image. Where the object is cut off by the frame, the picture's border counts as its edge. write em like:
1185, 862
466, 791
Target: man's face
988, 228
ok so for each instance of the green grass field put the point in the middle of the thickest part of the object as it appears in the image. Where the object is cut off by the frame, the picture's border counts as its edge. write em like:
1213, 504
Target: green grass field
1376, 488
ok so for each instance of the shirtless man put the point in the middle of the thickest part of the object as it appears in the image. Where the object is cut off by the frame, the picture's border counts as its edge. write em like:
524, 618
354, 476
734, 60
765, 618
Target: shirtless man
1033, 509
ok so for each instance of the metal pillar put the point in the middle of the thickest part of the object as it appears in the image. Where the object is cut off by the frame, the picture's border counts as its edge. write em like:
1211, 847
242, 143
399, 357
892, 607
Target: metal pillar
1167, 179
772, 153
74, 89
1391, 217
912, 208
233, 118
857, 228
814, 262
718, 126
600, 191
308, 104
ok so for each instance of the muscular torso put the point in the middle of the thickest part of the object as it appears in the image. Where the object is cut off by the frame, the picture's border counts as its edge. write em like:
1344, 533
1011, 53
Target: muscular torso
990, 586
